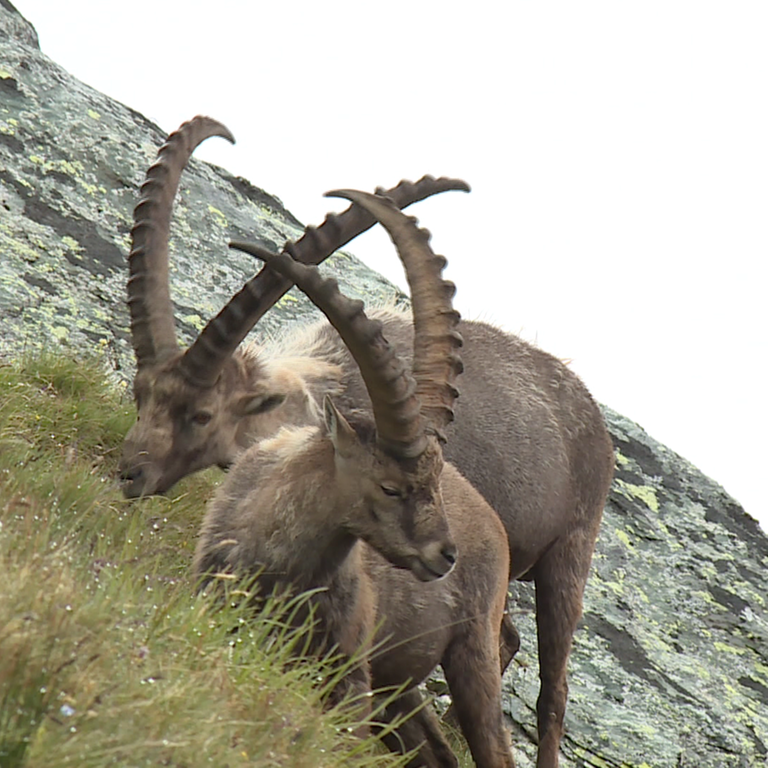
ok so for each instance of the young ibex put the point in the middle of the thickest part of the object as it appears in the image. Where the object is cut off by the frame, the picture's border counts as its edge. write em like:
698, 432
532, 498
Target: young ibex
529, 437
372, 518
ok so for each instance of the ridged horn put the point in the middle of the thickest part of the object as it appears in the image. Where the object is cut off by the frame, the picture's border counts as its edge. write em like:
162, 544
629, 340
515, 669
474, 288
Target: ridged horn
436, 342
399, 426
203, 361
153, 331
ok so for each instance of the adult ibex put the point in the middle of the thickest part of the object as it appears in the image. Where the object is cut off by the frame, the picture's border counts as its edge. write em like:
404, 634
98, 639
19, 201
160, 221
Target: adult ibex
528, 436
201, 406
371, 517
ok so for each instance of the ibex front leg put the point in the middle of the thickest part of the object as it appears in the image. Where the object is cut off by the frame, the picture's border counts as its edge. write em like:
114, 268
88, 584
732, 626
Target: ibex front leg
509, 645
418, 730
473, 671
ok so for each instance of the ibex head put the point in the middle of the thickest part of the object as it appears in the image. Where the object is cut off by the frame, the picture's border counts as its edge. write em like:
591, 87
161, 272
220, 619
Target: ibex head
201, 406
391, 471
398, 508
182, 427
191, 404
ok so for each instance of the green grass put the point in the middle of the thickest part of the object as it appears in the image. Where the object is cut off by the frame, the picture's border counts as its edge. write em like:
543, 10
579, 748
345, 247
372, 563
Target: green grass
107, 656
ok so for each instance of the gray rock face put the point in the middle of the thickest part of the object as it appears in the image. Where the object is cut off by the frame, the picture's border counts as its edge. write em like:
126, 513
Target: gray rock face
670, 667
71, 161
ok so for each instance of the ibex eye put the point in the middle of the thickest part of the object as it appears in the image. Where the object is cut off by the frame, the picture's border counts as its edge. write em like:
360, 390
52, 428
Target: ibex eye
201, 418
390, 491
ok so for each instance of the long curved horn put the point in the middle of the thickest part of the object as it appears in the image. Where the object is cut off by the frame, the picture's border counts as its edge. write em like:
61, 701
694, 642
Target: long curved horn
399, 426
436, 363
153, 331
399, 423
203, 361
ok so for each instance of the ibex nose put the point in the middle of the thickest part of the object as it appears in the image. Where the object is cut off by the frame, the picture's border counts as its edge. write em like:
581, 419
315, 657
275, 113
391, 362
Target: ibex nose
449, 554
438, 560
131, 481
130, 474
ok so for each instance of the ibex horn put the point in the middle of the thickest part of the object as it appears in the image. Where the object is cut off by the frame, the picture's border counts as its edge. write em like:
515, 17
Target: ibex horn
203, 361
397, 408
436, 363
153, 332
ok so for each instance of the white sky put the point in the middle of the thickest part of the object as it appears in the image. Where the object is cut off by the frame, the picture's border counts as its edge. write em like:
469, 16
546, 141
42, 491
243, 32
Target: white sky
618, 154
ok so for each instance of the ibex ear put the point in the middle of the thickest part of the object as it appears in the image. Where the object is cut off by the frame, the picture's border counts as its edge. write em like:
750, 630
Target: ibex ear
251, 404
343, 437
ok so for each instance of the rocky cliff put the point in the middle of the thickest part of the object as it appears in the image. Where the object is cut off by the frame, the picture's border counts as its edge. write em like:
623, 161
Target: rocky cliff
71, 160
670, 667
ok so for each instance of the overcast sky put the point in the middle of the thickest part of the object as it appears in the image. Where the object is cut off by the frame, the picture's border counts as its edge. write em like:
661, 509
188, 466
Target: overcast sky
618, 155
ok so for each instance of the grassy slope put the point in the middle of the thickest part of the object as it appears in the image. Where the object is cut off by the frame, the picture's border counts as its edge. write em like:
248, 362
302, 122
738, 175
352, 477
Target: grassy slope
106, 655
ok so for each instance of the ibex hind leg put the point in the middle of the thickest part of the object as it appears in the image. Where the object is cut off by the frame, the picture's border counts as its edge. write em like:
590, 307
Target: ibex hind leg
421, 729
509, 642
473, 671
560, 577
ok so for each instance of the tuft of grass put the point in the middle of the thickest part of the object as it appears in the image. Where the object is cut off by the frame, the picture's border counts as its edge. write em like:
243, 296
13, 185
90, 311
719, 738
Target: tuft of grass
107, 655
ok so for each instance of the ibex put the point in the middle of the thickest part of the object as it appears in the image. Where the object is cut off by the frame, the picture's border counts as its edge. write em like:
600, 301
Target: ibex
201, 406
371, 516
528, 436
